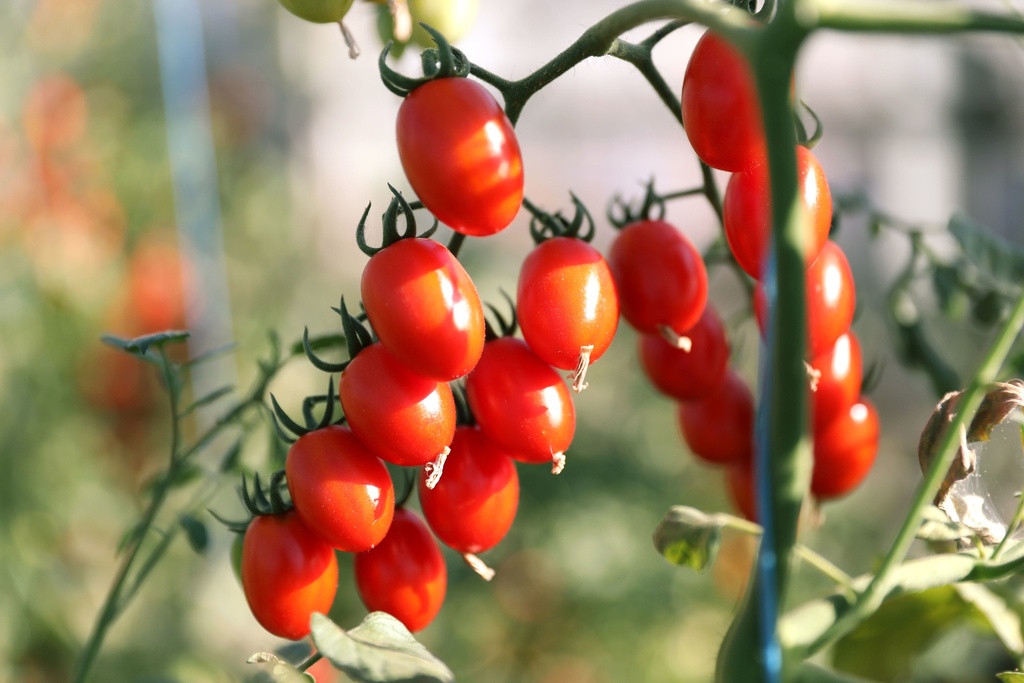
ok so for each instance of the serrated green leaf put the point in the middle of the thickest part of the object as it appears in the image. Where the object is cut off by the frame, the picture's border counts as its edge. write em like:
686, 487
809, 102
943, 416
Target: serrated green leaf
688, 537
196, 532
1005, 622
885, 646
989, 252
1011, 677
379, 650
207, 400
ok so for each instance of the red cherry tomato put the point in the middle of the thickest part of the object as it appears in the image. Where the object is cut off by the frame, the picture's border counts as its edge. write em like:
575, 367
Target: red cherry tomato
400, 416
839, 379
845, 450
474, 503
747, 211
521, 403
831, 299
721, 113
461, 155
157, 277
739, 481
719, 428
287, 574
341, 490
566, 302
424, 308
405, 575
660, 277
687, 375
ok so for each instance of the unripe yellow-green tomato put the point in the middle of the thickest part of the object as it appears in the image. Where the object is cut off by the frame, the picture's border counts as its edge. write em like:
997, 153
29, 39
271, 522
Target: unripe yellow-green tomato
452, 18
318, 11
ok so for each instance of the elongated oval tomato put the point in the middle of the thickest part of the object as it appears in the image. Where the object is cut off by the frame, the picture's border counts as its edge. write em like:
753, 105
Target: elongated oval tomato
566, 301
687, 375
287, 574
402, 417
424, 308
747, 211
340, 489
838, 384
473, 505
844, 450
831, 299
659, 275
405, 575
461, 155
721, 113
521, 403
719, 428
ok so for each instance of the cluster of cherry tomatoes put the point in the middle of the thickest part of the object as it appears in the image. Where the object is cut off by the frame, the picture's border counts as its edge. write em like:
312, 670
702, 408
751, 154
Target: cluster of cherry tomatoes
510, 401
722, 120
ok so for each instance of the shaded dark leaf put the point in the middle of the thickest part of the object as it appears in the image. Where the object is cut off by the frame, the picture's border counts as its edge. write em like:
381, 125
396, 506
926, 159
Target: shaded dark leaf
688, 537
989, 252
196, 532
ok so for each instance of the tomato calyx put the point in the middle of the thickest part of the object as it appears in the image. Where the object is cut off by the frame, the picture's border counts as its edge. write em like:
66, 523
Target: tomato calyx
397, 207
444, 61
506, 327
283, 421
545, 226
622, 213
262, 502
357, 338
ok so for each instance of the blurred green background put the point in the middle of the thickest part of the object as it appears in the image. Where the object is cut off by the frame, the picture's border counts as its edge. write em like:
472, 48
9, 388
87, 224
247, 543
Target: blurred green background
92, 241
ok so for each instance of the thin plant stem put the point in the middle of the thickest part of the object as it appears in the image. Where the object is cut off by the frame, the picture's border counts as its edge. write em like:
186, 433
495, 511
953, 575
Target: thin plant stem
1010, 530
875, 593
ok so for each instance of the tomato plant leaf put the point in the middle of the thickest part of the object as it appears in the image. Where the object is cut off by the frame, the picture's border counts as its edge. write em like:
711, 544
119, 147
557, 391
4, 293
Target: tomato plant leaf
139, 345
196, 532
277, 670
1011, 677
938, 527
1005, 622
379, 650
688, 537
949, 291
989, 252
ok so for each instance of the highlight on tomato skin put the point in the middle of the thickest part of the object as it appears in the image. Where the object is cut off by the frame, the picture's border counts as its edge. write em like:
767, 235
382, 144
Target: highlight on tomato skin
473, 505
686, 375
340, 489
287, 574
461, 156
720, 110
566, 300
844, 450
660, 277
521, 403
401, 417
831, 299
425, 308
719, 428
405, 575
839, 372
747, 211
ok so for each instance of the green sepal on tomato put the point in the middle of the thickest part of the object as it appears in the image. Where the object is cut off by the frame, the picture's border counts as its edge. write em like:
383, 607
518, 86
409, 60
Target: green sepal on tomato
405, 575
288, 573
340, 489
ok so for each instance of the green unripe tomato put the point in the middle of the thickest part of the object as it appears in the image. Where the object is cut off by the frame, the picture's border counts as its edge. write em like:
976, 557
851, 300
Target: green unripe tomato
452, 18
236, 556
318, 11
